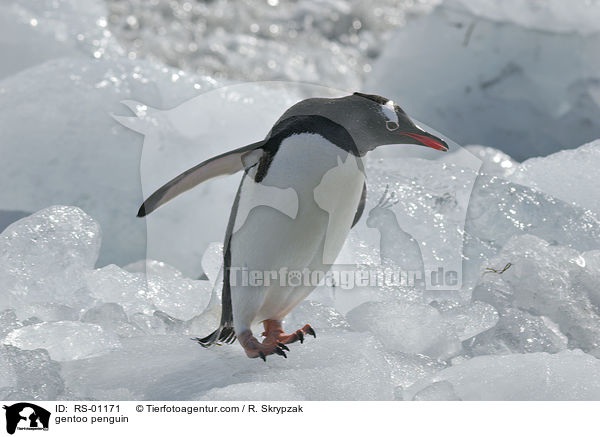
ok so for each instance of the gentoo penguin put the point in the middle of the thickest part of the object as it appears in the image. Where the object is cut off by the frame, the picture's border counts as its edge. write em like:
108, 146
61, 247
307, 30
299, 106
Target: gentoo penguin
315, 149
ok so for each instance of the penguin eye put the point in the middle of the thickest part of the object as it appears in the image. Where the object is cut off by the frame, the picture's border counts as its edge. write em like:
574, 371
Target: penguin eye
391, 125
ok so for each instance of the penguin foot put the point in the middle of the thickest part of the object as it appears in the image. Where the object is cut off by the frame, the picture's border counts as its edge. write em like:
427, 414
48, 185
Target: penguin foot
274, 330
256, 349
298, 335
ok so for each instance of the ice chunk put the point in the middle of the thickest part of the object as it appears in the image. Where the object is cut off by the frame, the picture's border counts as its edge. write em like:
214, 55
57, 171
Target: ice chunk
113, 284
44, 257
8, 376
590, 277
499, 209
407, 327
493, 78
519, 332
494, 161
111, 317
567, 375
151, 324
8, 322
438, 391
48, 312
569, 175
161, 288
105, 314
64, 341
406, 369
173, 293
253, 391
543, 280
467, 319
318, 315
29, 375
212, 260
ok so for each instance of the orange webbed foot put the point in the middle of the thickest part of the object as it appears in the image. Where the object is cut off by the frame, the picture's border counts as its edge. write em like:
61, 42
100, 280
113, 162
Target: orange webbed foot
274, 330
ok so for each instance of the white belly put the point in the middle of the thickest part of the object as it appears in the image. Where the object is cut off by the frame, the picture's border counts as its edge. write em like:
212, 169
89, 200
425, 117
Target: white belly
328, 183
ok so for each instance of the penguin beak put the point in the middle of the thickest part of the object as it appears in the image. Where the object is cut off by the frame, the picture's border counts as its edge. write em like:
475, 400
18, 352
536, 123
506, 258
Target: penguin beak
428, 140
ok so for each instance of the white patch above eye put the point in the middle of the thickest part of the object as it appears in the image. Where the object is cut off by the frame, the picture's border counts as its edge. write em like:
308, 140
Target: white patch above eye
389, 112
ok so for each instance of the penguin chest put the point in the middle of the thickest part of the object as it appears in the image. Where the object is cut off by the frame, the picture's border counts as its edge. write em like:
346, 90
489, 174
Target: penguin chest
301, 212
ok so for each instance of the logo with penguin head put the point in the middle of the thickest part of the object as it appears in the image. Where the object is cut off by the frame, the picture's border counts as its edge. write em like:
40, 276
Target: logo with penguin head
415, 217
26, 416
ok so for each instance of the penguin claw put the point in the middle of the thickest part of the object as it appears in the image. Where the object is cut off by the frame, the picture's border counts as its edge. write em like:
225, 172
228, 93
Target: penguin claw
311, 331
300, 335
279, 351
262, 355
283, 346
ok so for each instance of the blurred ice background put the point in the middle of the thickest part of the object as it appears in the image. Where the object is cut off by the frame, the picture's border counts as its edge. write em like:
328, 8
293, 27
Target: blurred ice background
84, 314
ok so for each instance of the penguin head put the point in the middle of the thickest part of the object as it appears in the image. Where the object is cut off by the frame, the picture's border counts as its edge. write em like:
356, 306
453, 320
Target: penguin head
371, 121
378, 121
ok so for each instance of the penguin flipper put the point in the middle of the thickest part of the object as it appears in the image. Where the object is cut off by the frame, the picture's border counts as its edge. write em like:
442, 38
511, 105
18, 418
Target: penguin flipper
224, 164
361, 205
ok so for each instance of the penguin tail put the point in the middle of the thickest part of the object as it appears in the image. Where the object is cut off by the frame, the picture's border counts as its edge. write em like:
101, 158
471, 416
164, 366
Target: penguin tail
223, 334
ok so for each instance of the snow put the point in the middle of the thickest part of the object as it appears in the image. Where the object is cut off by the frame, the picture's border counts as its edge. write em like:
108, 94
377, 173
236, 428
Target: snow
501, 74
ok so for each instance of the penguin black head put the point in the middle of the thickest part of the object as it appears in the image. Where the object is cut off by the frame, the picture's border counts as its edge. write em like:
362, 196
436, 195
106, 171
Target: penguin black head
371, 120
386, 123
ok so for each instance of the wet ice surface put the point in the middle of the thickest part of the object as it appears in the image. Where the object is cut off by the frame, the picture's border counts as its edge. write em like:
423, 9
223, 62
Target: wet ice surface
84, 316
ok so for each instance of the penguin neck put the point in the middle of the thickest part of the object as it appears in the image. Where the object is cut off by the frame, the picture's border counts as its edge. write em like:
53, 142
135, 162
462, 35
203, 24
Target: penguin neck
303, 160
316, 124
332, 132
